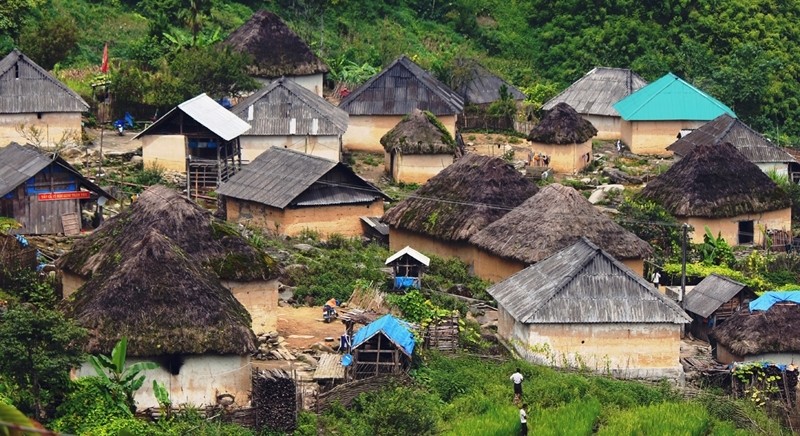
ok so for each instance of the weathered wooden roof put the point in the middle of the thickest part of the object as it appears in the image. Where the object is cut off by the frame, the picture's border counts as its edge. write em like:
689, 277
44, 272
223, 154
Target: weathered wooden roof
596, 92
725, 128
399, 89
275, 106
711, 293
208, 113
583, 284
19, 163
28, 88
281, 177
481, 86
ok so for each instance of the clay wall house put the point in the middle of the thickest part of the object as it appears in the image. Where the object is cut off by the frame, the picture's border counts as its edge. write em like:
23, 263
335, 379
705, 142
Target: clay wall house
593, 97
417, 148
565, 138
30, 97
581, 308
44, 193
753, 145
714, 300
211, 244
384, 346
653, 116
553, 219
479, 88
277, 52
284, 114
286, 192
715, 185
382, 101
455, 204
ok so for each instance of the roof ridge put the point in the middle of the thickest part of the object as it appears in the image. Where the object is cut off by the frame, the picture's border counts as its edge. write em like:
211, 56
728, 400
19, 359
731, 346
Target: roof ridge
50, 78
655, 94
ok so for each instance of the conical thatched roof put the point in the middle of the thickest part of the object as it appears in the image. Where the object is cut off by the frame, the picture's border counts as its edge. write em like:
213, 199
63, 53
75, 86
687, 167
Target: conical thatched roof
715, 181
562, 125
211, 243
163, 301
276, 50
758, 332
553, 219
419, 133
462, 199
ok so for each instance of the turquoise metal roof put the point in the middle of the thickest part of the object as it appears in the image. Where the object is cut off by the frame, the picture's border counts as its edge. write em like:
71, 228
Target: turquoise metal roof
395, 330
671, 98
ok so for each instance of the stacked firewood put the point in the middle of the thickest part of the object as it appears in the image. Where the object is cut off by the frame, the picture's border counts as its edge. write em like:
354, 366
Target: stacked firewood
275, 400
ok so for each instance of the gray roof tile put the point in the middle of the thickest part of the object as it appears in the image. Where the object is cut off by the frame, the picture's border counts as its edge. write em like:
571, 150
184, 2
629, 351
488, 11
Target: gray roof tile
28, 88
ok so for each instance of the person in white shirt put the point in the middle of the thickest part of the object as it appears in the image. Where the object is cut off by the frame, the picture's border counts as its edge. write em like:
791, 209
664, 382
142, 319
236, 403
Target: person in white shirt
656, 278
523, 420
517, 379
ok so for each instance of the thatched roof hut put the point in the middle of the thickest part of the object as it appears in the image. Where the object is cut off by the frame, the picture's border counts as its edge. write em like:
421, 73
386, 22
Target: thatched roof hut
462, 199
551, 220
759, 332
164, 302
275, 48
716, 181
209, 242
562, 125
420, 132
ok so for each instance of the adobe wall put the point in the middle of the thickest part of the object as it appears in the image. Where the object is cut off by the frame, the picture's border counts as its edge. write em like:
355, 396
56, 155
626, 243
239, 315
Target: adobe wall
729, 227
637, 265
399, 238
566, 158
364, 132
608, 128
321, 146
166, 151
417, 168
494, 268
260, 298
780, 168
653, 137
54, 128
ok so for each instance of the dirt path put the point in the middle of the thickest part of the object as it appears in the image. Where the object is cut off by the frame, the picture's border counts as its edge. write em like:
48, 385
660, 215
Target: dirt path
302, 326
112, 142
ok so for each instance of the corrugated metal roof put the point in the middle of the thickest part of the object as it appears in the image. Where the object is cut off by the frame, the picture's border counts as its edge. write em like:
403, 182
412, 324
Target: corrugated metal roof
395, 330
482, 86
280, 177
400, 88
596, 92
284, 100
671, 98
207, 113
423, 259
725, 128
583, 284
25, 87
711, 293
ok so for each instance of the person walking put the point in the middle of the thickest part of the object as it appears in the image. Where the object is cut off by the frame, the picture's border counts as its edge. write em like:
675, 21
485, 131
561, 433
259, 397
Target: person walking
656, 279
517, 378
523, 420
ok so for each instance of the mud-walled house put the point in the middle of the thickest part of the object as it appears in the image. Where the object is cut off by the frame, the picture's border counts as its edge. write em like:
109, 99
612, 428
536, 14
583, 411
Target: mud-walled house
417, 148
564, 139
714, 300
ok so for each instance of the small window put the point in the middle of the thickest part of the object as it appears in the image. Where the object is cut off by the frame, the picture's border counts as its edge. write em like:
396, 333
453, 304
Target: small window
250, 113
39, 115
293, 126
746, 232
314, 126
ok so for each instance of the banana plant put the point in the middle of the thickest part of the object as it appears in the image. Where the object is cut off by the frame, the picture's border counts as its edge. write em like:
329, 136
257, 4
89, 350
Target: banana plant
113, 371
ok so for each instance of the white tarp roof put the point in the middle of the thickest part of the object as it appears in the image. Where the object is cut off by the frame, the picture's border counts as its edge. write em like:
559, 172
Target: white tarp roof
425, 260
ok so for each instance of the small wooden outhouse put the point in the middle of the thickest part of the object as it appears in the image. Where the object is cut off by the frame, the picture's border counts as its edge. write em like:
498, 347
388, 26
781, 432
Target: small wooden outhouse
408, 265
713, 301
384, 346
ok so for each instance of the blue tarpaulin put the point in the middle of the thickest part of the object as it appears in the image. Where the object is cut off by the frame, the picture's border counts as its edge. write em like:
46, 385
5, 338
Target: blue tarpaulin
769, 299
406, 282
395, 330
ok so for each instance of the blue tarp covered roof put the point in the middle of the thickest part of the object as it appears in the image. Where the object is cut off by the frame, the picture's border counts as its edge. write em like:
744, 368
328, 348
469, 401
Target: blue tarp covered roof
397, 331
769, 299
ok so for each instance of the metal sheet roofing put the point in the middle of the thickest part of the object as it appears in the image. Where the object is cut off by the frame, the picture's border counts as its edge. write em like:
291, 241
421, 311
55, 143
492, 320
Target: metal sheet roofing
711, 293
207, 113
400, 88
276, 105
596, 92
280, 177
583, 284
671, 98
423, 259
25, 87
397, 331
725, 128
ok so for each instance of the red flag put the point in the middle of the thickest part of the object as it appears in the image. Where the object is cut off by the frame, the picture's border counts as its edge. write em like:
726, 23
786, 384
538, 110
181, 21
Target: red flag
104, 66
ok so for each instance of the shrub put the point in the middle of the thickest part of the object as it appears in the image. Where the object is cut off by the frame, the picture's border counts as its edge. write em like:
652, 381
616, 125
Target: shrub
89, 405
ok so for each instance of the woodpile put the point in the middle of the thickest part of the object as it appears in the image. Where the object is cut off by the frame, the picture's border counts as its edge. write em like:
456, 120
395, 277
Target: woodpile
443, 336
272, 346
274, 399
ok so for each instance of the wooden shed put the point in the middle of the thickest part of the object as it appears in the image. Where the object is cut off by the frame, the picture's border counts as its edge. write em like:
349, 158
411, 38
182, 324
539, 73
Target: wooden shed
384, 346
564, 138
44, 193
379, 104
714, 300
417, 148
581, 308
408, 265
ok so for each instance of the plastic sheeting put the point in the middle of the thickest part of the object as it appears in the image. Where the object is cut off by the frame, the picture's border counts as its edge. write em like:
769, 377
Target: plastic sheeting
769, 299
394, 329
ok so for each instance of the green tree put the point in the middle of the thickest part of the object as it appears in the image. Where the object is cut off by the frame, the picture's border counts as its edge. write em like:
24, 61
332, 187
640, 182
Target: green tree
51, 40
13, 12
117, 375
651, 222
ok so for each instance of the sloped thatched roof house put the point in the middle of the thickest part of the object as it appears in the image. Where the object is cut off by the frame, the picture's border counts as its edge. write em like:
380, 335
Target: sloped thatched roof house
580, 307
286, 192
551, 220
284, 114
594, 95
565, 137
379, 104
455, 204
210, 244
750, 143
32, 97
173, 311
277, 52
42, 192
715, 185
713, 301
417, 148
